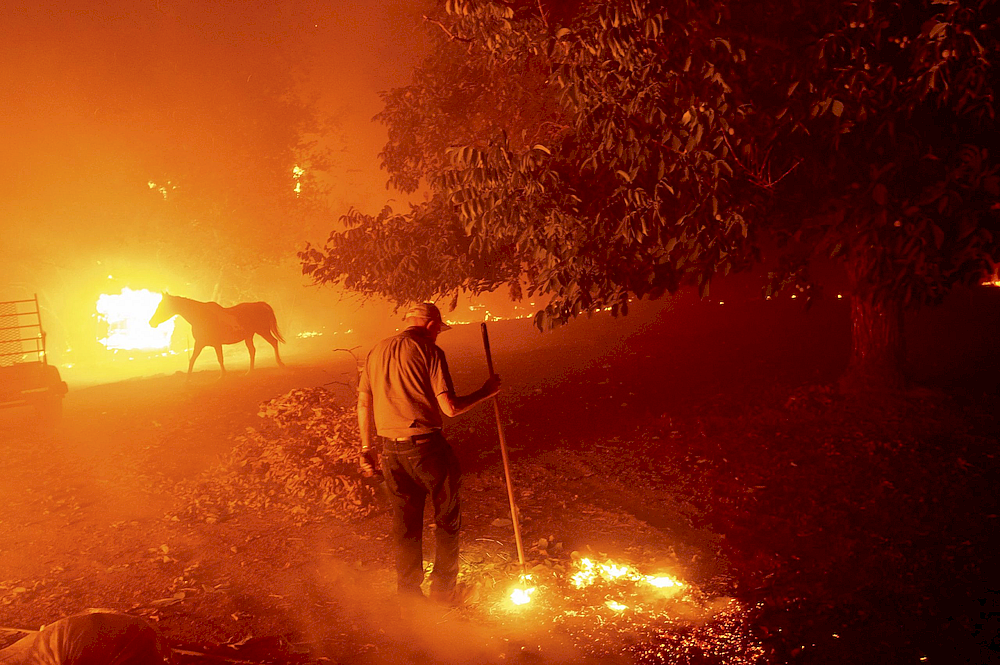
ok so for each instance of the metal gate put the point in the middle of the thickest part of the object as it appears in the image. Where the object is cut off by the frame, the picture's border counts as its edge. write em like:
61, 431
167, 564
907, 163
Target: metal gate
21, 337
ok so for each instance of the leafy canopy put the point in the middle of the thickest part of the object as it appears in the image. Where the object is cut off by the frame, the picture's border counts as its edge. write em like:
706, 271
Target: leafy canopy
614, 150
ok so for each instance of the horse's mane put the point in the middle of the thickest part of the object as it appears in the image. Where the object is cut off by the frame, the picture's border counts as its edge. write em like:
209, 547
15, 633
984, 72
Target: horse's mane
199, 302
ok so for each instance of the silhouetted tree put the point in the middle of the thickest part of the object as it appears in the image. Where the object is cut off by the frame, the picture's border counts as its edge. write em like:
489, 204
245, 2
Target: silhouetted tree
620, 150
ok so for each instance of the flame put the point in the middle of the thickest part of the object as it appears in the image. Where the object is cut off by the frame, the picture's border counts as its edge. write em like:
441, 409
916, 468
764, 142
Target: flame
662, 582
599, 601
614, 571
127, 315
586, 575
521, 595
589, 572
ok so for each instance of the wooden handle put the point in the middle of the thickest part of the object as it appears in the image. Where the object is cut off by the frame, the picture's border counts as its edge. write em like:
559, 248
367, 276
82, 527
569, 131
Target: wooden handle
514, 517
486, 345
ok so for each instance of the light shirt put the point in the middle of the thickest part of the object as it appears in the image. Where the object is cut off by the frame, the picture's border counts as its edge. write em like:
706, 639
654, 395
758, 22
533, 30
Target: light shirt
404, 375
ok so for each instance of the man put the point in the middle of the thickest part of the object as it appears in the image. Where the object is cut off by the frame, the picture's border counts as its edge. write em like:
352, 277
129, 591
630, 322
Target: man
405, 388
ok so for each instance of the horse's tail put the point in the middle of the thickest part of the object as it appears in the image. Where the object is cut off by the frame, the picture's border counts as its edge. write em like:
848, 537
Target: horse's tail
273, 324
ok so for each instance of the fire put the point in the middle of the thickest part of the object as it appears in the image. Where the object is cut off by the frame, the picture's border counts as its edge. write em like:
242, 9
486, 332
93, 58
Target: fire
612, 607
521, 595
608, 575
661, 582
127, 315
589, 572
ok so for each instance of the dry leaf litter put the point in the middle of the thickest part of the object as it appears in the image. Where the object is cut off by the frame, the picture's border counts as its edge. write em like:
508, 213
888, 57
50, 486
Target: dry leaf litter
302, 460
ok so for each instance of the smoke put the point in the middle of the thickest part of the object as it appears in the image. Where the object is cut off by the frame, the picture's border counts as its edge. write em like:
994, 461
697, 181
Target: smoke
396, 630
143, 141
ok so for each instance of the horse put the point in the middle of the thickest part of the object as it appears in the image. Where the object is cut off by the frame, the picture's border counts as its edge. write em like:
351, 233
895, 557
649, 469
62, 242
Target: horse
214, 325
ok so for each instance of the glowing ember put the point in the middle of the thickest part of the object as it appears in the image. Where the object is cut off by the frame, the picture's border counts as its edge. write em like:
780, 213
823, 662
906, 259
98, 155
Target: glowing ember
521, 596
602, 605
127, 315
662, 582
614, 571
589, 572
164, 190
586, 575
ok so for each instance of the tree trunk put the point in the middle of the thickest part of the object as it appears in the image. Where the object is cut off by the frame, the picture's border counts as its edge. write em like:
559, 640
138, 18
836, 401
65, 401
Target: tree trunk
878, 351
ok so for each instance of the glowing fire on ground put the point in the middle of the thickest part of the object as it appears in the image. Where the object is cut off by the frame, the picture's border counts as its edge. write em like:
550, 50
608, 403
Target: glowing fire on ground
127, 316
602, 604
521, 594
589, 572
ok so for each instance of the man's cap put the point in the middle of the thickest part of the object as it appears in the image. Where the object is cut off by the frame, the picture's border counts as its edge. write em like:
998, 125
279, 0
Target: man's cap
426, 310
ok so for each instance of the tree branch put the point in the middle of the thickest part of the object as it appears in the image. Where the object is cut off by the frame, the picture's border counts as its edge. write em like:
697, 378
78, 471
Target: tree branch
755, 177
454, 38
545, 19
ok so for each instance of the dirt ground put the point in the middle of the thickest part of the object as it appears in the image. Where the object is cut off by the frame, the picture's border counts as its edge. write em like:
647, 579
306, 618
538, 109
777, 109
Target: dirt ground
694, 440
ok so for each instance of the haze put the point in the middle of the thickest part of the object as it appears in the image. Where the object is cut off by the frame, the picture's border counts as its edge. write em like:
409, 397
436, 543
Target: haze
143, 141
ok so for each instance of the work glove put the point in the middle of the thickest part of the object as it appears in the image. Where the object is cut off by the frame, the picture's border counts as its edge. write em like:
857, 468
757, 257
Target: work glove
369, 463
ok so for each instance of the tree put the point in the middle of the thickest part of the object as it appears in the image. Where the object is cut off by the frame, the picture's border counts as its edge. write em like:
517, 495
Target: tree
890, 106
621, 150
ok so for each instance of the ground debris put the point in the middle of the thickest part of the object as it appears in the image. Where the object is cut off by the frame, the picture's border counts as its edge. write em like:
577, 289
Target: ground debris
301, 461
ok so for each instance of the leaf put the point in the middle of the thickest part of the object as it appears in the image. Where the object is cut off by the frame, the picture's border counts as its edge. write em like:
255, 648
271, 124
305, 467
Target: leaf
539, 146
837, 108
165, 602
938, 235
880, 194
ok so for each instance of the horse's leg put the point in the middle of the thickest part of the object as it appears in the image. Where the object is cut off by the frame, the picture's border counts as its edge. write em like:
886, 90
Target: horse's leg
270, 339
218, 354
194, 355
251, 349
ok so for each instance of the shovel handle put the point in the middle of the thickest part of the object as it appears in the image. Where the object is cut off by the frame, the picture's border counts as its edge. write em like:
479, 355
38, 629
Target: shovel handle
486, 345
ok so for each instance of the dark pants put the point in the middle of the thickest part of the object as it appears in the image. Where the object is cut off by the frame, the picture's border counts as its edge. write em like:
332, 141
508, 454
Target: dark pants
414, 469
